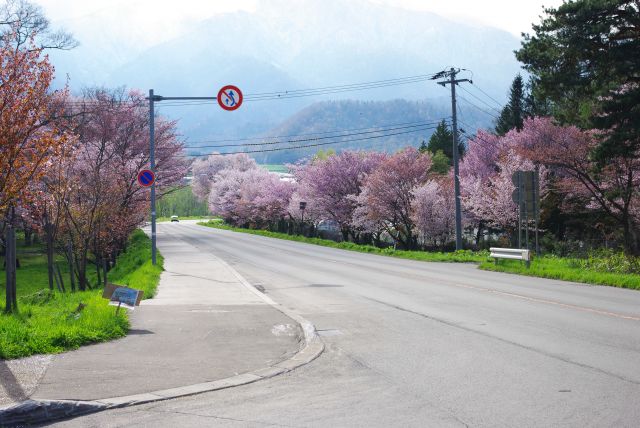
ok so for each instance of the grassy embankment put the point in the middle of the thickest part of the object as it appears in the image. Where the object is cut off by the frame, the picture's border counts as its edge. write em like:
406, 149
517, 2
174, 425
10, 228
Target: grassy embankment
458, 256
568, 269
589, 271
49, 322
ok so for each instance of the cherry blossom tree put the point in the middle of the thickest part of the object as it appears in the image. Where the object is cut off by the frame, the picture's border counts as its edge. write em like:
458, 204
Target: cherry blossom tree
30, 131
434, 210
612, 189
206, 169
334, 182
387, 195
254, 196
486, 177
95, 190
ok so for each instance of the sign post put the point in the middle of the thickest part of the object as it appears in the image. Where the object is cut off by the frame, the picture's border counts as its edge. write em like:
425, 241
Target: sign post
119, 295
152, 162
229, 98
527, 196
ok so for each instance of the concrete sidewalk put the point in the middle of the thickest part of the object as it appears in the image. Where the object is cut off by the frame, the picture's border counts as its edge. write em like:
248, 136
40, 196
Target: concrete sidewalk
204, 325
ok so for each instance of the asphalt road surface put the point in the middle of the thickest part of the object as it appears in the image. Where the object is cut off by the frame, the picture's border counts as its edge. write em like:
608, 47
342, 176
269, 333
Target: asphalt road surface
419, 344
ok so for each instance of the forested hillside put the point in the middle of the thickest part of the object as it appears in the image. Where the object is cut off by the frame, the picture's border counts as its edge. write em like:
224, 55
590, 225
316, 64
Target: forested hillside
341, 125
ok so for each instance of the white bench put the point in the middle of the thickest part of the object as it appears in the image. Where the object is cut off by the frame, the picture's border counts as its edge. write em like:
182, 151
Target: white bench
511, 253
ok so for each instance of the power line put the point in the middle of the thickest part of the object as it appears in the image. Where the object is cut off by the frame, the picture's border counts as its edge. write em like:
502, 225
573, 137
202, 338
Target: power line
300, 140
262, 96
297, 93
481, 100
313, 145
477, 107
309, 134
487, 95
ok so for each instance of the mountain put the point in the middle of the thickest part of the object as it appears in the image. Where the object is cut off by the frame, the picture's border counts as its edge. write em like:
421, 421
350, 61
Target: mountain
346, 125
285, 45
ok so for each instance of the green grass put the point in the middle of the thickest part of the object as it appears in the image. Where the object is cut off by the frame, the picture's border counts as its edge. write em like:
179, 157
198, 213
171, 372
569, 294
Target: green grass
275, 168
565, 269
134, 267
47, 322
462, 256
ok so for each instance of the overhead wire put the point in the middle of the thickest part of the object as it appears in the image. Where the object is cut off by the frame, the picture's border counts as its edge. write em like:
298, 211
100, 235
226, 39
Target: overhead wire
447, 119
478, 107
481, 100
301, 140
297, 93
372, 137
498, 103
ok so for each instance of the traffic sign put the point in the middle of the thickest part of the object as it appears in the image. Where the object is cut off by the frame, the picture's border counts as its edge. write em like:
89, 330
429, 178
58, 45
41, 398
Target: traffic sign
146, 178
230, 97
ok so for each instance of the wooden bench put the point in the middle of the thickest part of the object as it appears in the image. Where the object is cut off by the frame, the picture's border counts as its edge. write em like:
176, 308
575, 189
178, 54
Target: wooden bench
511, 253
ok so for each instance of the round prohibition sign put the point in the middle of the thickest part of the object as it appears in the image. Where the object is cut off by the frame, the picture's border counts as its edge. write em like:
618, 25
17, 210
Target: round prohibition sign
230, 97
146, 178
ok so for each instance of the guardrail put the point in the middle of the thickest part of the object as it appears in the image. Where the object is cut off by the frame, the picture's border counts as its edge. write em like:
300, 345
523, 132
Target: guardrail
511, 253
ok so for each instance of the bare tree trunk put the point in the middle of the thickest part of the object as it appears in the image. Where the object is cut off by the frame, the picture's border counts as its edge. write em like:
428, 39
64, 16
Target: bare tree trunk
98, 271
104, 272
48, 228
61, 282
10, 270
72, 278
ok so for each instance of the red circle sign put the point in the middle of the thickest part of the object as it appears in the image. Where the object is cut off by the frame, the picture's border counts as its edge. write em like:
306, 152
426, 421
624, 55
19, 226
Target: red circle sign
146, 178
230, 97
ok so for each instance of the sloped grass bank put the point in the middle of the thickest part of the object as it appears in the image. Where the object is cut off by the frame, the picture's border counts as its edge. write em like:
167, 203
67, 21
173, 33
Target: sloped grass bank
566, 269
52, 322
463, 256
597, 270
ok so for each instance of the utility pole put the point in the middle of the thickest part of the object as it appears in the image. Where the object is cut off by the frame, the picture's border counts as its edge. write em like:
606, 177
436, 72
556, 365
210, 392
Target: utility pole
451, 74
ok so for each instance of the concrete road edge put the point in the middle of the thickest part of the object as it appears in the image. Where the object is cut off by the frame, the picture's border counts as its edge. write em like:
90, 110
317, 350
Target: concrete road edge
32, 411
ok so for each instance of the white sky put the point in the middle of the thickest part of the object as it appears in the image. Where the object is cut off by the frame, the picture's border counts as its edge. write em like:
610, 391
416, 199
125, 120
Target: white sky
161, 17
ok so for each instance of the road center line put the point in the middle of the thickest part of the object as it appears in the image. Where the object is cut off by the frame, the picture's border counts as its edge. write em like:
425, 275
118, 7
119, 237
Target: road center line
549, 302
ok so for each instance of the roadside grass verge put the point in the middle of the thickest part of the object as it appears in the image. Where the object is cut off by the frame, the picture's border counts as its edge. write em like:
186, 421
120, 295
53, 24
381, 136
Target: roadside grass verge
51, 322
463, 256
565, 269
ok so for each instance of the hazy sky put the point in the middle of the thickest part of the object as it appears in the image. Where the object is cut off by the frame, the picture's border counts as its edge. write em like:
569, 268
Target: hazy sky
162, 18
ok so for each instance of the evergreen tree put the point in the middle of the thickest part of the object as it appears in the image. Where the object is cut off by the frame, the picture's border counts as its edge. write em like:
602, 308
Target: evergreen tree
442, 139
584, 55
440, 163
514, 113
423, 147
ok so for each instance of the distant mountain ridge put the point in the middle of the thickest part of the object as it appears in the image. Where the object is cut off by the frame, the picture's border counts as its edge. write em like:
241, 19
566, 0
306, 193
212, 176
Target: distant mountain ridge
286, 45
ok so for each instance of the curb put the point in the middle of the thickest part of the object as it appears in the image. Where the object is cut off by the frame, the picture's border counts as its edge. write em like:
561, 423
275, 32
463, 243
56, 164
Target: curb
32, 411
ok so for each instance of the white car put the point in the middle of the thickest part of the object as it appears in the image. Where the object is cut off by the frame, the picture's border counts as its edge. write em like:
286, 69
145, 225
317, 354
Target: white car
174, 218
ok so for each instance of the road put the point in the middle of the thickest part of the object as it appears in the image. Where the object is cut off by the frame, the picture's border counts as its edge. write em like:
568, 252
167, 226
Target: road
419, 344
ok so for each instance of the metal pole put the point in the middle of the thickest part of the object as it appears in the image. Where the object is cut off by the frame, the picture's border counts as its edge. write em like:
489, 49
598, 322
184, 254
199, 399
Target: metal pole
536, 201
526, 221
152, 166
455, 161
520, 210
